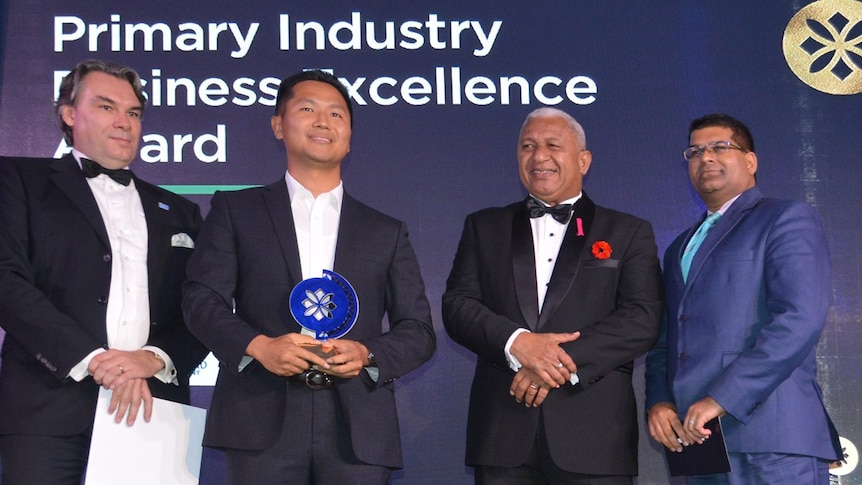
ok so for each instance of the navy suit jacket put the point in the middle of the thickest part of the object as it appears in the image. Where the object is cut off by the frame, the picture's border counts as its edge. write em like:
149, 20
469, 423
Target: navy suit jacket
616, 305
247, 257
745, 326
55, 272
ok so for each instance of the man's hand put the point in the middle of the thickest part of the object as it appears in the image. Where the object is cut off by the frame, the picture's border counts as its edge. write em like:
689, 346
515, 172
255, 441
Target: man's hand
114, 368
541, 354
666, 428
698, 415
528, 388
349, 359
285, 355
128, 397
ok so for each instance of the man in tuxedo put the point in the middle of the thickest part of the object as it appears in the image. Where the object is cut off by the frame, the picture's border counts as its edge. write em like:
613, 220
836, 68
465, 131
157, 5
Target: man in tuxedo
283, 413
744, 313
557, 296
91, 270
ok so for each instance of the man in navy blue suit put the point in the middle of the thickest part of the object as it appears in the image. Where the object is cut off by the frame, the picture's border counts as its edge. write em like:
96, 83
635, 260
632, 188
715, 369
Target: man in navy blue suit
92, 260
744, 314
282, 413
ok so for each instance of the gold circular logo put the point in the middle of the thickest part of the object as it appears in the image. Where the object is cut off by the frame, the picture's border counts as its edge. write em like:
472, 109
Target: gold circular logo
823, 46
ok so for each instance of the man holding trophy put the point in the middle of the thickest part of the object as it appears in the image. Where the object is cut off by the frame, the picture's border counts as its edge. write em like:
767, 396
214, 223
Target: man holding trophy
275, 284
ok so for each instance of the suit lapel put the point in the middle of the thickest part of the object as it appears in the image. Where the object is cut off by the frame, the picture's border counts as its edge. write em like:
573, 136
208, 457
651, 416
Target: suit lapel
524, 266
569, 258
69, 179
349, 224
278, 203
734, 214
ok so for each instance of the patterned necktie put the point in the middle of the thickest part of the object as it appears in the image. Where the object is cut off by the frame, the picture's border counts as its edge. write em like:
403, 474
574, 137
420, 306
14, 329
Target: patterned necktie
695, 242
92, 169
560, 212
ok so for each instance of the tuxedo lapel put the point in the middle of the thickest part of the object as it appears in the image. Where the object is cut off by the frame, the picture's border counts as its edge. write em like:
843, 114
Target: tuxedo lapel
524, 266
67, 176
569, 258
156, 214
278, 203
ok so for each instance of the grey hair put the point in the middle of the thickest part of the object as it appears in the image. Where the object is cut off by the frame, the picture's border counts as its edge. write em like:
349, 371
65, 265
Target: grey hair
548, 112
68, 92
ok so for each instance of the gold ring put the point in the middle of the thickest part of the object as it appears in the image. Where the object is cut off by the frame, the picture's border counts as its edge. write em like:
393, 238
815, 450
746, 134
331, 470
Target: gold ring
691, 421
533, 386
560, 365
122, 371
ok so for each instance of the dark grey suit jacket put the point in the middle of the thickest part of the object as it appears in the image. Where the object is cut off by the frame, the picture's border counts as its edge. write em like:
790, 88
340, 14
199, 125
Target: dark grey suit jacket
55, 272
247, 255
615, 303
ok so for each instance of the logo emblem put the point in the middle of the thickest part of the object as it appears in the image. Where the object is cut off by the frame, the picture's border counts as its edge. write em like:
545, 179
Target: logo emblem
823, 46
327, 306
850, 461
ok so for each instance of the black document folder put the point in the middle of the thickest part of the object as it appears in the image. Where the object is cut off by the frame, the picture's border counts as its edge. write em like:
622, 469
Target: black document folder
703, 459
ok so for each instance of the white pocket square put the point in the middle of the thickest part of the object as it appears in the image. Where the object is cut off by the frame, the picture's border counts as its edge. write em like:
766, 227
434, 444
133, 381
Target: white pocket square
182, 240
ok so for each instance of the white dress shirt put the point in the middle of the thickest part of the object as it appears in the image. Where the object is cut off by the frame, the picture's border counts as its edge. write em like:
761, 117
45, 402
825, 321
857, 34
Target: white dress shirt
548, 236
128, 310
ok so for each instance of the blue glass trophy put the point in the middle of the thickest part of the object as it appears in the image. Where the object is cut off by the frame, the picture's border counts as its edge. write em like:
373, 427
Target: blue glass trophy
327, 306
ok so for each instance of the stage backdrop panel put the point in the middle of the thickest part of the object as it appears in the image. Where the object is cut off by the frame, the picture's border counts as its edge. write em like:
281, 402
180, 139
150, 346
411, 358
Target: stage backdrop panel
440, 90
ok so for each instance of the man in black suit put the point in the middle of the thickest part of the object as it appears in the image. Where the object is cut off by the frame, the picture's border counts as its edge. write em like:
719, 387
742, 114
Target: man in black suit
278, 419
557, 297
90, 282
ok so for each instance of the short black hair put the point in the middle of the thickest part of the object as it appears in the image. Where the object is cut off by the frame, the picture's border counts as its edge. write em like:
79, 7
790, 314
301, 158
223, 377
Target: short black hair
741, 133
285, 89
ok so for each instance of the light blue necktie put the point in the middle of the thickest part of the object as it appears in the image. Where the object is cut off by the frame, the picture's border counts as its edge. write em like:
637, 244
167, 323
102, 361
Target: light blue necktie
695, 242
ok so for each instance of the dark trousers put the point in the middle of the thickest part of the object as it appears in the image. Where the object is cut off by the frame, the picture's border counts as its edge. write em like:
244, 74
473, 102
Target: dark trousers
58, 460
539, 469
314, 448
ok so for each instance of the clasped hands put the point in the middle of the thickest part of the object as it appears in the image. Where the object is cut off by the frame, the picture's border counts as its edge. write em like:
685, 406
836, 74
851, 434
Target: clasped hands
544, 365
666, 427
126, 373
289, 355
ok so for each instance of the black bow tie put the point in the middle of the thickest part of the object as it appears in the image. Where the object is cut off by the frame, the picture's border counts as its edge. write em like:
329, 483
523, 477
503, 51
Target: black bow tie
561, 212
92, 169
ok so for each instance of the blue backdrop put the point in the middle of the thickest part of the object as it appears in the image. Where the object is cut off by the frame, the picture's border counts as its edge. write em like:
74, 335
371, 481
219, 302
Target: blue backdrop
441, 88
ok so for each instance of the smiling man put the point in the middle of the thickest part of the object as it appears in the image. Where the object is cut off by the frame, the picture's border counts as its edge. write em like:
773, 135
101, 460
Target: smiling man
557, 297
748, 291
92, 260
283, 413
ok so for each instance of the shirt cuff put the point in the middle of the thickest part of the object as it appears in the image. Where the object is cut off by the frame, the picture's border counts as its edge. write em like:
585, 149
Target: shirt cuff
373, 373
245, 361
168, 375
514, 364
81, 369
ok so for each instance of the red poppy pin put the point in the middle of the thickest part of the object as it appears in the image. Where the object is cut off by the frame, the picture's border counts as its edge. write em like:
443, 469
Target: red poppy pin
602, 250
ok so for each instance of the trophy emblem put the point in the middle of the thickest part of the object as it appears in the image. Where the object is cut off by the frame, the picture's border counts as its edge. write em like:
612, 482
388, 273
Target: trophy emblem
327, 306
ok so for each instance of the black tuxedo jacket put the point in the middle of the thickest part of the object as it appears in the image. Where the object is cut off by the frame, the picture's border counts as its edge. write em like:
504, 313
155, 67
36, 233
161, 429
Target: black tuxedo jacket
55, 272
614, 302
247, 257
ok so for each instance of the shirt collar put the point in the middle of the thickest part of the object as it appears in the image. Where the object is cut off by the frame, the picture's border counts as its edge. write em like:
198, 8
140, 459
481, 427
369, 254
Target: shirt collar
298, 192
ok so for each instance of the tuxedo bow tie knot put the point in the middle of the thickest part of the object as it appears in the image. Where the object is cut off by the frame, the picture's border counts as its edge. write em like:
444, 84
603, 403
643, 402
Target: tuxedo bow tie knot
92, 169
560, 212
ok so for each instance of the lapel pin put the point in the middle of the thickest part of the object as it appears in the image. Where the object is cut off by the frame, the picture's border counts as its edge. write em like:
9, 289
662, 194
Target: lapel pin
164, 207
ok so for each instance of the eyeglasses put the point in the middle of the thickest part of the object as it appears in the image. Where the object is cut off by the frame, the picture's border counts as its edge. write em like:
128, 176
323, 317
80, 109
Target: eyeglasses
716, 147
